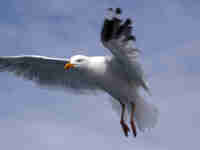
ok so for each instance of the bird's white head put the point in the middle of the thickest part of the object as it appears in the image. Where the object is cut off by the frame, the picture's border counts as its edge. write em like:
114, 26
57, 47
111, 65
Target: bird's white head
77, 61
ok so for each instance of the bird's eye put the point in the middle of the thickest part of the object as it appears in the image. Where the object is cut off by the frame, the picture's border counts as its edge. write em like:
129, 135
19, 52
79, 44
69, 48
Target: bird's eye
79, 60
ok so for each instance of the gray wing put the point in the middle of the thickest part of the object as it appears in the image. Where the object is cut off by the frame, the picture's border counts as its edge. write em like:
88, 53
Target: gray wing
118, 38
47, 71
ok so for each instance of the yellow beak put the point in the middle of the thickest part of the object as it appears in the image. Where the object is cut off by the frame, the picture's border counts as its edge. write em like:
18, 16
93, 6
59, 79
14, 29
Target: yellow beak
68, 66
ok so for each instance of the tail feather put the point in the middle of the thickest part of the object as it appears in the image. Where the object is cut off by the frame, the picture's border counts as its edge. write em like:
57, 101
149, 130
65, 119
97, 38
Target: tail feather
146, 115
146, 87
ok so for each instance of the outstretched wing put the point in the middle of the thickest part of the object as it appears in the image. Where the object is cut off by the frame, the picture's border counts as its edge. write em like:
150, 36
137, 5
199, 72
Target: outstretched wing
117, 37
47, 71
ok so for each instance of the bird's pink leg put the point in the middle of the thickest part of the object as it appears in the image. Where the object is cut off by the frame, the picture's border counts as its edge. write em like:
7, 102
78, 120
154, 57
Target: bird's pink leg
122, 122
132, 119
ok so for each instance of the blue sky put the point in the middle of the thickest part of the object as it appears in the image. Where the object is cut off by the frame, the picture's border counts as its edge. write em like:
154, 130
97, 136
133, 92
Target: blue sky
34, 118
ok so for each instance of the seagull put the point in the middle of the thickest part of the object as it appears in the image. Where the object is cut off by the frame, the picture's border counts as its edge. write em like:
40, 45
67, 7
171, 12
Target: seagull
120, 75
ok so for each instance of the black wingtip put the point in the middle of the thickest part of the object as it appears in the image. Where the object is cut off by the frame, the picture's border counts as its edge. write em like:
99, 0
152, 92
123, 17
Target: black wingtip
110, 9
131, 37
128, 21
118, 11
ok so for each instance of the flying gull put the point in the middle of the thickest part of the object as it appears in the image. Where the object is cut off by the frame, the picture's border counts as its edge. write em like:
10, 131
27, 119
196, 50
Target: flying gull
120, 75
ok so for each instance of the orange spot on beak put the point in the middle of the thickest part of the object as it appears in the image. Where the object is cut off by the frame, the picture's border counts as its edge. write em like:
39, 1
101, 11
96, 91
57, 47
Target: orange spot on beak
68, 66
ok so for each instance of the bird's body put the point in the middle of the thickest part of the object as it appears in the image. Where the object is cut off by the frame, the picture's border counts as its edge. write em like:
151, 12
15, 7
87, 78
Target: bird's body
105, 70
120, 75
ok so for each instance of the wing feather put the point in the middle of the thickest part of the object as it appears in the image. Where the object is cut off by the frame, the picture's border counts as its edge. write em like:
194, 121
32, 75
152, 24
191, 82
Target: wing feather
46, 71
121, 44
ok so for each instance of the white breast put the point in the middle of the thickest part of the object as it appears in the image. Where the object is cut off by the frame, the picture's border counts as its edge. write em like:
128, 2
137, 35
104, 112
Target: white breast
110, 81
